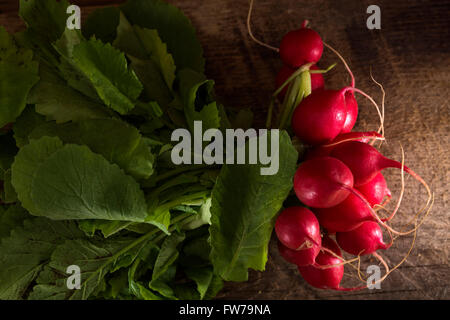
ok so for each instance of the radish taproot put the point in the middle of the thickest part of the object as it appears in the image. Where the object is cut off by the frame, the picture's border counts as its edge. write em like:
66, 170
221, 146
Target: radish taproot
322, 182
375, 190
325, 150
325, 184
303, 257
328, 270
298, 228
350, 100
326, 278
364, 240
365, 162
352, 112
320, 117
301, 46
346, 216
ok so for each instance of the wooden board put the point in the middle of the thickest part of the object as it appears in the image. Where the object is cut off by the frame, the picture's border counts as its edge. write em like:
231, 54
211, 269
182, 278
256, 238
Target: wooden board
410, 56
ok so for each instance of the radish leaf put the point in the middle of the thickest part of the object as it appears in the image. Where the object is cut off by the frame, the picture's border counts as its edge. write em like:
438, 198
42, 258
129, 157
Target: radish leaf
145, 44
25, 252
59, 102
198, 100
102, 23
18, 74
244, 205
26, 165
95, 258
107, 70
173, 27
114, 139
75, 183
10, 218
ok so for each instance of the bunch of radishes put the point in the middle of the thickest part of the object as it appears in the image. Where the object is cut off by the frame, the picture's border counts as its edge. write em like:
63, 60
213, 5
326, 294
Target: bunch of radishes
339, 182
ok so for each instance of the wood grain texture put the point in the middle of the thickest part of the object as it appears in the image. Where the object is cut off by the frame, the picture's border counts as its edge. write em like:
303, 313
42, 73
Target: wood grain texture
410, 56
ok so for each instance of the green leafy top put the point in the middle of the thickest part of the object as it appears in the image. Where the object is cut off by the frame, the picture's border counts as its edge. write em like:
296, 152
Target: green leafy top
145, 44
18, 74
244, 205
86, 176
26, 251
117, 141
197, 96
44, 18
72, 182
106, 68
173, 27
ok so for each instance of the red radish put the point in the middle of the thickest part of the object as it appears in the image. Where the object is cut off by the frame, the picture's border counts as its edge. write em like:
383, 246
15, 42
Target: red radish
317, 81
364, 240
304, 257
301, 46
325, 150
322, 182
328, 278
325, 182
365, 162
375, 190
346, 216
350, 100
352, 112
284, 73
319, 118
297, 228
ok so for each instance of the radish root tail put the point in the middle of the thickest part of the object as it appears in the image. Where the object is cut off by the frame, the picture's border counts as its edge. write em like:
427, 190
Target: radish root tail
380, 115
402, 190
343, 61
383, 96
331, 252
250, 33
367, 136
377, 218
